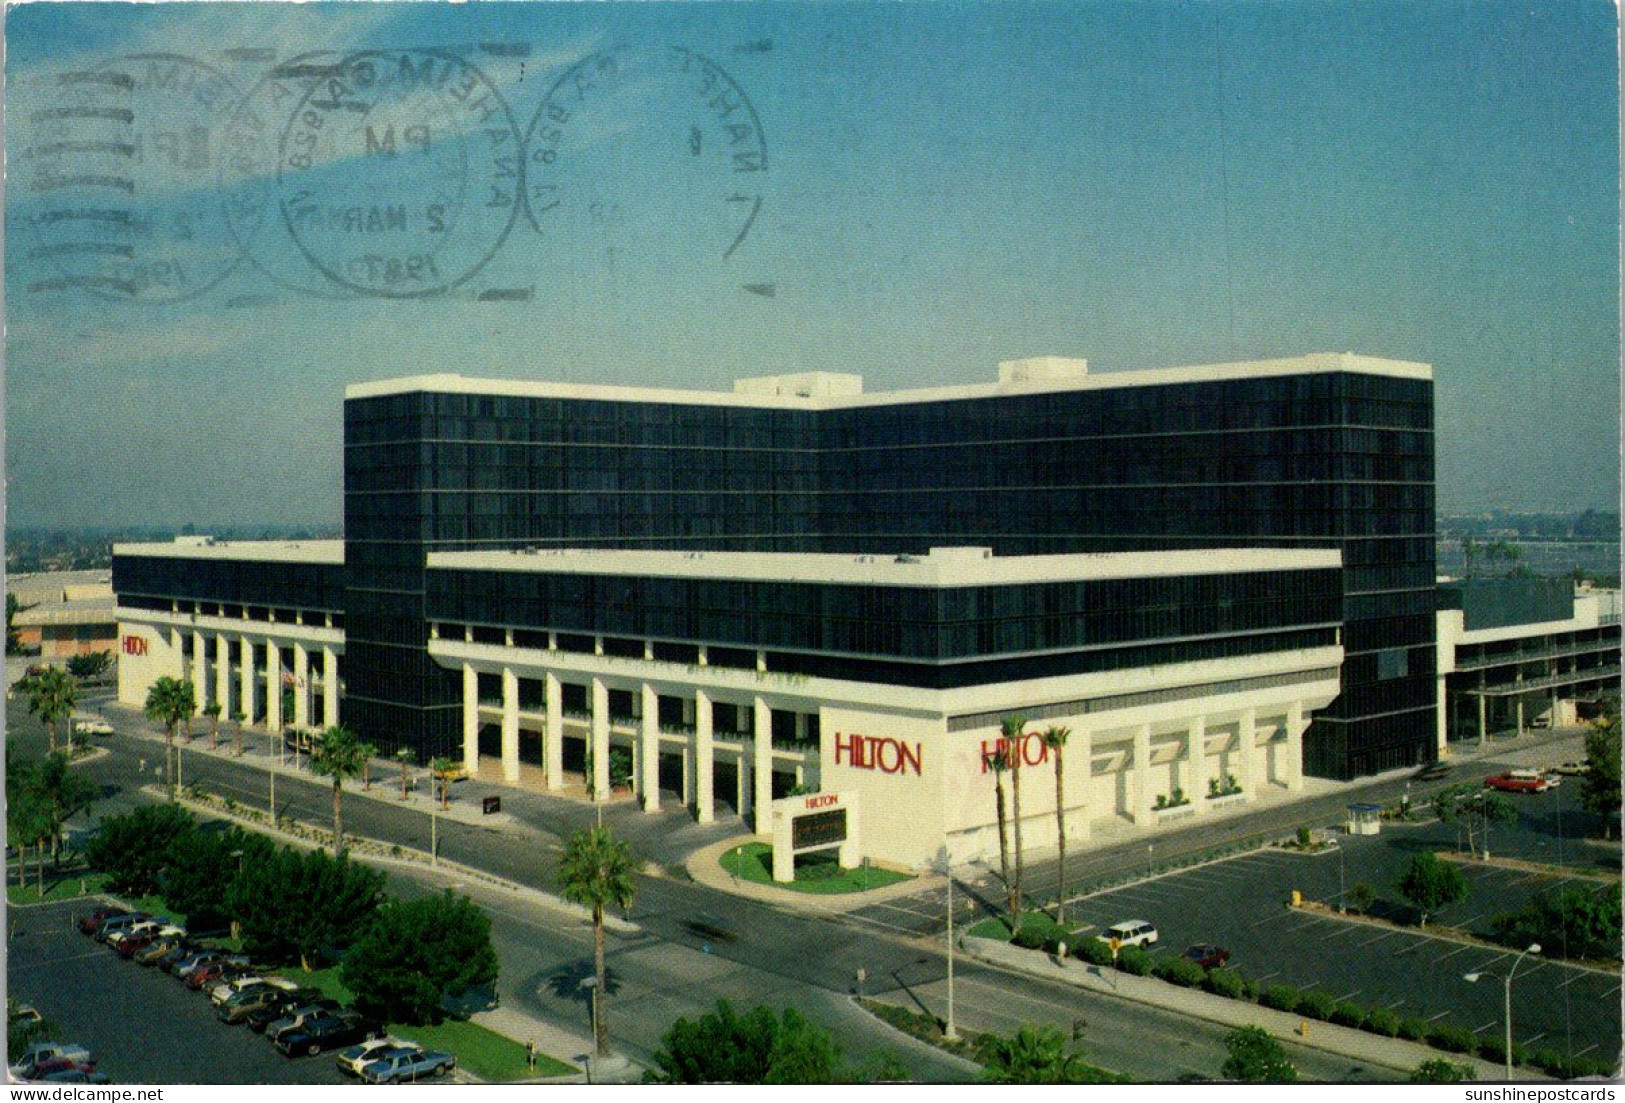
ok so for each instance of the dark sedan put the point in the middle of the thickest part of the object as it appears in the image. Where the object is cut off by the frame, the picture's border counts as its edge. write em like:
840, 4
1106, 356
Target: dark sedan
327, 1032
1207, 955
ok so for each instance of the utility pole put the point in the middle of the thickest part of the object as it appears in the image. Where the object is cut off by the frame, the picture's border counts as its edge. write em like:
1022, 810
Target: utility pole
951, 1033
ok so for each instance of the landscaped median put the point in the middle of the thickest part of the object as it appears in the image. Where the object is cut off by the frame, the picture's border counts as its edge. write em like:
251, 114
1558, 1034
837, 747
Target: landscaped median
753, 862
1036, 948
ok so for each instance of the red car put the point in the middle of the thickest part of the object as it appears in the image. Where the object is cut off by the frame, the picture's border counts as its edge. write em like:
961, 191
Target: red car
90, 924
1518, 781
129, 947
210, 973
1207, 955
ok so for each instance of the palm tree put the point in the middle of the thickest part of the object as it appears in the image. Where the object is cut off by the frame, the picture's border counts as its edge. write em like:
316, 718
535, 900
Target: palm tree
404, 757
1013, 732
212, 710
1055, 739
169, 701
596, 872
442, 768
368, 752
995, 761
1032, 1055
53, 695
237, 718
337, 754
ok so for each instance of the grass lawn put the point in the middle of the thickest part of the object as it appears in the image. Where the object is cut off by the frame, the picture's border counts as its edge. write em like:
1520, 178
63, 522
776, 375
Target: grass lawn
816, 874
56, 888
1035, 924
483, 1052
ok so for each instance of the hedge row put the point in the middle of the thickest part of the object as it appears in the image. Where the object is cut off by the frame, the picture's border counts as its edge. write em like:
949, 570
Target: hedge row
1321, 1006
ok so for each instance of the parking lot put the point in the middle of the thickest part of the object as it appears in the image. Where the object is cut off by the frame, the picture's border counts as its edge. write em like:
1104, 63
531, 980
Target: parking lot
142, 1025
1242, 905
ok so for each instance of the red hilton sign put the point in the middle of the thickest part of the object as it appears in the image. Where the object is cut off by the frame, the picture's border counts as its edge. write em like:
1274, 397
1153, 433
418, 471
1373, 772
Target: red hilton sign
135, 645
877, 752
1006, 749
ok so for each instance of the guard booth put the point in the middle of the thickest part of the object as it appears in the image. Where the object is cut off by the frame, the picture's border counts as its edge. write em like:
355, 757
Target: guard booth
806, 824
1365, 819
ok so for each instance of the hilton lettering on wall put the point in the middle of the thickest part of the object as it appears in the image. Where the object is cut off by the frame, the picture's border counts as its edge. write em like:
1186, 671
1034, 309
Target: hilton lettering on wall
1034, 751
135, 645
877, 752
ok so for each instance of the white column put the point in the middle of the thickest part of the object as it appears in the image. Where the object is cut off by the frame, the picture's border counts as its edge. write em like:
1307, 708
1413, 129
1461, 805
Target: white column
1142, 774
1196, 755
330, 687
510, 725
1296, 724
1081, 763
744, 786
704, 801
650, 734
762, 759
200, 673
471, 720
248, 681
600, 740
553, 753
301, 686
222, 676
1248, 736
273, 686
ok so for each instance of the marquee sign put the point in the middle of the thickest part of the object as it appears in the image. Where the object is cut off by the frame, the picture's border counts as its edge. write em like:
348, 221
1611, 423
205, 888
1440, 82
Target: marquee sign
816, 822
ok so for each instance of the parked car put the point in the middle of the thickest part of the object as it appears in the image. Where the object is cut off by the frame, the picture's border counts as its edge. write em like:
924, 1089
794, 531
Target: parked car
322, 1032
205, 976
76, 1074
273, 999
204, 959
298, 1015
1518, 781
112, 925
40, 1052
135, 941
1207, 955
155, 950
93, 726
1130, 932
1571, 769
90, 923
184, 950
357, 1057
397, 1066
49, 1068
225, 989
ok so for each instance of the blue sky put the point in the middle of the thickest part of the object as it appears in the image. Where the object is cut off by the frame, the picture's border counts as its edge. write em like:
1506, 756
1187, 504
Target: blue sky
943, 186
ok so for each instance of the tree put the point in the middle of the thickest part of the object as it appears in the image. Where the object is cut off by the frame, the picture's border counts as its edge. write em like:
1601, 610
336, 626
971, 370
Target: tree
1440, 1071
1430, 884
92, 664
1014, 732
28, 819
1577, 921
724, 1047
52, 696
369, 751
64, 794
13, 641
133, 848
404, 756
1599, 788
1032, 1055
203, 868
237, 719
212, 710
996, 762
337, 754
416, 953
1475, 808
294, 906
1055, 739
169, 701
596, 872
1361, 897
443, 768
1256, 1058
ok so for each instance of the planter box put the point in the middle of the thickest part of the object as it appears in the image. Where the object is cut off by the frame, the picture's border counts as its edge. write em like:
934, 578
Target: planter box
1177, 812
1228, 798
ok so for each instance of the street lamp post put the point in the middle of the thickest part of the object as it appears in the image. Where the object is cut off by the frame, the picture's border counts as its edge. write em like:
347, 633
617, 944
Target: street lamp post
952, 1034
1506, 983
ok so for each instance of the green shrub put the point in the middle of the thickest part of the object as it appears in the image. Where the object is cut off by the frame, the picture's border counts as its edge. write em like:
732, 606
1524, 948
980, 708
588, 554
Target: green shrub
1094, 951
1176, 970
1134, 961
1593, 1066
1380, 1020
1495, 1049
1440, 1071
1282, 997
1225, 982
1452, 1038
1349, 1014
1249, 989
1415, 1030
1029, 939
1316, 1005
1551, 1062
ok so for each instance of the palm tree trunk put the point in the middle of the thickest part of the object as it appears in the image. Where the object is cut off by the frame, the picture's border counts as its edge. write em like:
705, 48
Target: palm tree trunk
1004, 845
239, 739
1015, 811
602, 1026
1060, 836
403, 781
214, 733
169, 756
50, 731
338, 816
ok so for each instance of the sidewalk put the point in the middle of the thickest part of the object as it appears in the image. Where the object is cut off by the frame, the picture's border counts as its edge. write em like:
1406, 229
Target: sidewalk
1393, 1053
